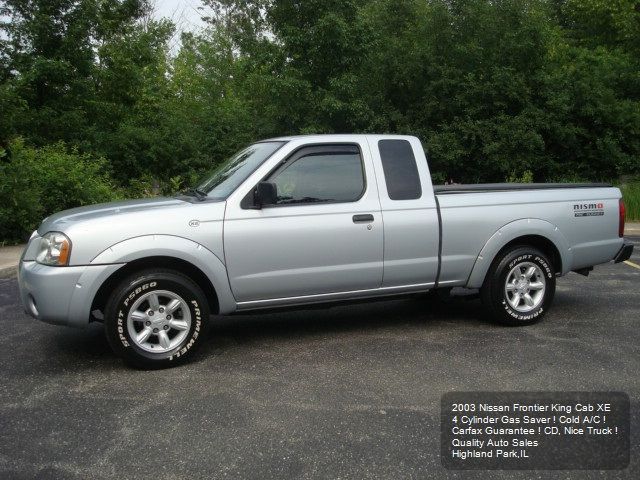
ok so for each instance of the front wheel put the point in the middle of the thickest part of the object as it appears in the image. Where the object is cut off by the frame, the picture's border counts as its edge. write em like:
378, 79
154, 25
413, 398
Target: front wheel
519, 286
156, 318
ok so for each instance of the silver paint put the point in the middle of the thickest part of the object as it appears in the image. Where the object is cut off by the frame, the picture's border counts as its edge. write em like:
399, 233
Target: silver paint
293, 255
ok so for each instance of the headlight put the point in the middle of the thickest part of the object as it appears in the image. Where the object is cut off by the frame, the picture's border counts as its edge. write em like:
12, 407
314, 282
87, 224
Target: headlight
55, 249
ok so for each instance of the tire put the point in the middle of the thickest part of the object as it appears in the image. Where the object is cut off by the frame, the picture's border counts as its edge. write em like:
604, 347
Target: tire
519, 286
156, 319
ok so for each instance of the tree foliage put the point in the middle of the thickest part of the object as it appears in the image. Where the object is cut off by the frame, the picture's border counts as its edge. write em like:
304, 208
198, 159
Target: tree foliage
500, 89
35, 182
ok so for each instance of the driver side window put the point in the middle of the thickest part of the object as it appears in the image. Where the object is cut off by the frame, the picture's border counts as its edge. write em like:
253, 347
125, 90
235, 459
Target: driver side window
321, 175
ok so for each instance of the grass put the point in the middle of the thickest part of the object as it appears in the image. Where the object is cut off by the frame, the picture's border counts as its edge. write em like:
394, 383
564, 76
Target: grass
631, 196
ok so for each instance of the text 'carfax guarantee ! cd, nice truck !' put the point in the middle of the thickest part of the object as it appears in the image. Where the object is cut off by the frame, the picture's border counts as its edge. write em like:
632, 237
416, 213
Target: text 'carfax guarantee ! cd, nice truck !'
311, 219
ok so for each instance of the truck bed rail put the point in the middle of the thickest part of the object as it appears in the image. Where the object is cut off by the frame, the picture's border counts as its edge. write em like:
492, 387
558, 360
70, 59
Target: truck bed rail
506, 187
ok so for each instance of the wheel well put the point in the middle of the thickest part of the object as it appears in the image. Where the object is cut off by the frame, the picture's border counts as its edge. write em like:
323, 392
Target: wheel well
543, 244
182, 266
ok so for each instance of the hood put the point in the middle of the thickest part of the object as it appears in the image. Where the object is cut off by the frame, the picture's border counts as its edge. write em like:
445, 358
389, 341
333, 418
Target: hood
92, 229
61, 221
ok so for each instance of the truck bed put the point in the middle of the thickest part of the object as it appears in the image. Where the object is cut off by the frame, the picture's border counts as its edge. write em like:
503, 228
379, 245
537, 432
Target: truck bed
505, 187
504, 210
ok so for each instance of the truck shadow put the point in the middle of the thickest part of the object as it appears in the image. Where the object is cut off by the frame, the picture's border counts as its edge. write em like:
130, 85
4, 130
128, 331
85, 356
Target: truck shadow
365, 318
241, 335
86, 344
90, 345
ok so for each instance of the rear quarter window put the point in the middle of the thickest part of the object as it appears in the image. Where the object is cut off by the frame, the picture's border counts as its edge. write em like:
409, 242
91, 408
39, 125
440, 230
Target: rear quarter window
400, 170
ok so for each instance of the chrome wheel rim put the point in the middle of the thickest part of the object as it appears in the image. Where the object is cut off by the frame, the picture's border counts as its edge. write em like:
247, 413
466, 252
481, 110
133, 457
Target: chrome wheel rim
159, 321
524, 287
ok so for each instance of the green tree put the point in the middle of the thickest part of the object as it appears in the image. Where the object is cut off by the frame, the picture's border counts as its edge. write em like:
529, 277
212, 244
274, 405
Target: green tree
49, 56
535, 89
36, 182
494, 89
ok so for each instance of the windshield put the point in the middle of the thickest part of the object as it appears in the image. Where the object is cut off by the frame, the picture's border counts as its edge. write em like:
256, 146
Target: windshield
225, 178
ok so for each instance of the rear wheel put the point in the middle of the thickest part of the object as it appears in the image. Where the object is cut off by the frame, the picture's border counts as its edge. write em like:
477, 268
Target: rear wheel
519, 286
156, 318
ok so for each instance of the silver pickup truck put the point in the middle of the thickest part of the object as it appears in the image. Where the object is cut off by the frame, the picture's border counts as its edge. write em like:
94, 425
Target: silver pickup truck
310, 219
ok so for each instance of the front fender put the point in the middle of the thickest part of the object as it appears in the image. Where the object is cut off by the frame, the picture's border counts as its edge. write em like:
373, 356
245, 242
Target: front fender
508, 233
176, 247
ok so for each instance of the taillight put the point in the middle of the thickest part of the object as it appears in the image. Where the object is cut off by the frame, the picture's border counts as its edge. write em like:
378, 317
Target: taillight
621, 223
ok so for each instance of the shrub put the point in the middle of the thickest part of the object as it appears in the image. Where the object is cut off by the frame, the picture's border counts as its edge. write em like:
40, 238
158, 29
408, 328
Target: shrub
525, 177
36, 182
631, 196
149, 186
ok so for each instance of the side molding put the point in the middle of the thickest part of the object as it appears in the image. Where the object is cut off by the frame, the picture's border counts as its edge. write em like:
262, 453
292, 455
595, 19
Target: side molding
511, 231
177, 247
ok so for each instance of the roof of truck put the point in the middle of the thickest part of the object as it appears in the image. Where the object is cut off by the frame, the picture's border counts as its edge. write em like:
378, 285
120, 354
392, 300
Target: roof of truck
335, 135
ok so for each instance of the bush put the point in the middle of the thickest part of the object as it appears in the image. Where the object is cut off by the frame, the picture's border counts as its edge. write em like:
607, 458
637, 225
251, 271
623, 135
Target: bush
147, 185
631, 196
36, 182
525, 177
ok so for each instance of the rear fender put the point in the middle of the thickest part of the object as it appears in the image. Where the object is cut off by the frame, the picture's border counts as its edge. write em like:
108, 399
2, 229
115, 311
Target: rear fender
512, 231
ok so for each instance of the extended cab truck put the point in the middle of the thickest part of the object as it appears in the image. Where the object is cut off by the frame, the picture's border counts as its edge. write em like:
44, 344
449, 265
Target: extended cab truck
309, 219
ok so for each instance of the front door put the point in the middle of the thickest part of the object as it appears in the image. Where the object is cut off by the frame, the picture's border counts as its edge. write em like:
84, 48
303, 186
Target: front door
323, 235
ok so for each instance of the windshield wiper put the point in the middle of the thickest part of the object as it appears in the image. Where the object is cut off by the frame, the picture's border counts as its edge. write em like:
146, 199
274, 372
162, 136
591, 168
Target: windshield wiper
196, 192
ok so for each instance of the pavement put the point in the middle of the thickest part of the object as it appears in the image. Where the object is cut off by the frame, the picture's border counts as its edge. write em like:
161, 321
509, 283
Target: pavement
632, 229
9, 258
349, 392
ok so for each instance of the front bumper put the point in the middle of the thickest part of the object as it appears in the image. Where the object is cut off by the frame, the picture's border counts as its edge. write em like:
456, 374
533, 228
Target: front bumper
61, 295
624, 253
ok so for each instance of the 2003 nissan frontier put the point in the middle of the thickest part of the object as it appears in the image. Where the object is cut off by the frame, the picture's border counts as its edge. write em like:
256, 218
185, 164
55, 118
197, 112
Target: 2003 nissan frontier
310, 219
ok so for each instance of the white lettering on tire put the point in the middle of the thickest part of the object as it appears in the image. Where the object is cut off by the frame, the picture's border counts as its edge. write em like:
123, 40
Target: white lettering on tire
194, 335
121, 312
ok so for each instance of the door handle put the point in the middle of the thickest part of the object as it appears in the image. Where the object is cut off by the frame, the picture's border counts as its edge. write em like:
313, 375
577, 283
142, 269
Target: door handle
366, 218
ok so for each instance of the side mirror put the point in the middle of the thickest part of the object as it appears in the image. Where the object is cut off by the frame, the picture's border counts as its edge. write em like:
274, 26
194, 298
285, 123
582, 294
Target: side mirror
266, 194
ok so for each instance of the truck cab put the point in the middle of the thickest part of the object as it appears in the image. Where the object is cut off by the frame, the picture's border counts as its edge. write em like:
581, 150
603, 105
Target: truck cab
341, 222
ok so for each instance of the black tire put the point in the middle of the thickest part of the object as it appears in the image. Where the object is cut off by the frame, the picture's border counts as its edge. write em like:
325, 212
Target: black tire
192, 315
498, 302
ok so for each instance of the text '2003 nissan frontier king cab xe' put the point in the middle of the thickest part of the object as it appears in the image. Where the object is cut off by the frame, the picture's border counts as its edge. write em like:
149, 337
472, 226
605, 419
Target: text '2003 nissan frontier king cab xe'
310, 219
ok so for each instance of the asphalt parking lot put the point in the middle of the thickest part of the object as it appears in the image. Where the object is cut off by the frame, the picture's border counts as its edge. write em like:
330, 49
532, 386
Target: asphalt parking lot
347, 392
